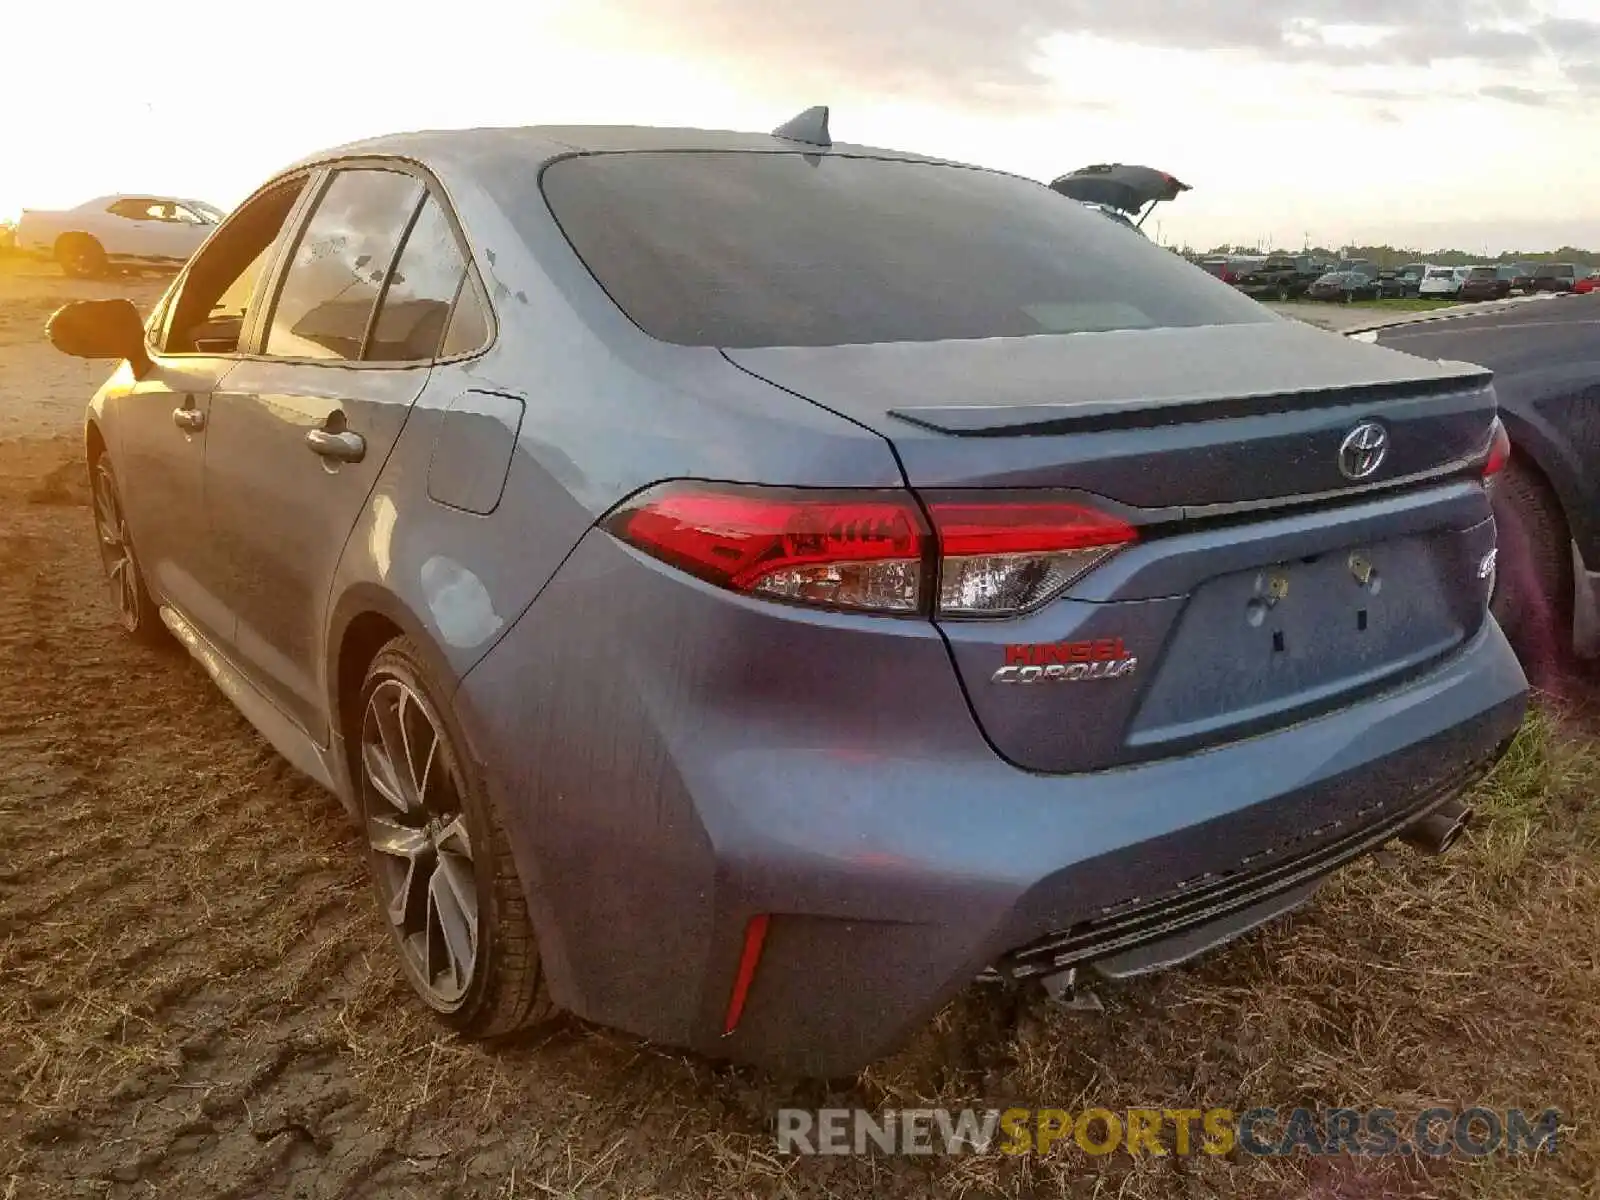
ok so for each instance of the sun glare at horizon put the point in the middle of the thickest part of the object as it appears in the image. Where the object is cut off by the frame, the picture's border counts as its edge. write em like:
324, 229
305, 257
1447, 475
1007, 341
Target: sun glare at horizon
1276, 150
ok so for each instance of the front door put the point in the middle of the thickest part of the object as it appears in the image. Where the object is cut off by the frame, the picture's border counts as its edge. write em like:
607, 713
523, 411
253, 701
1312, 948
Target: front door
160, 427
301, 431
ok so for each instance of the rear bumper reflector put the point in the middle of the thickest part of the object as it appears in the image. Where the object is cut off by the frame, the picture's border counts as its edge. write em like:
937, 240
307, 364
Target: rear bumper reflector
755, 936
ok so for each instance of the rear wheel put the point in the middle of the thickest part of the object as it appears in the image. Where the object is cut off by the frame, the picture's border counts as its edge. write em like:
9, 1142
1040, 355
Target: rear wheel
136, 611
440, 863
81, 256
1532, 598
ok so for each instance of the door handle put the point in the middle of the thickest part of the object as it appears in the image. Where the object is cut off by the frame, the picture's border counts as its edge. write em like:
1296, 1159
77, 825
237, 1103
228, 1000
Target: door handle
344, 446
189, 418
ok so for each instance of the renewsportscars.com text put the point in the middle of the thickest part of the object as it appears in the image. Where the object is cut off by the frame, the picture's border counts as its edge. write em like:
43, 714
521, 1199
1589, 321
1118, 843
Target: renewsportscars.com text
1260, 1132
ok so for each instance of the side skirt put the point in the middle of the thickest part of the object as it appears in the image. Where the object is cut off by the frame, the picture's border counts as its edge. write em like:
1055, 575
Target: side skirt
287, 738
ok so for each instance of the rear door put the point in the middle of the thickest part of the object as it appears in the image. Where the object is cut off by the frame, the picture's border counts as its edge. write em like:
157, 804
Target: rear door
303, 428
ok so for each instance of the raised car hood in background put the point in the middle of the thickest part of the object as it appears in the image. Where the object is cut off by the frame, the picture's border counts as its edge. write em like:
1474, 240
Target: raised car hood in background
1129, 188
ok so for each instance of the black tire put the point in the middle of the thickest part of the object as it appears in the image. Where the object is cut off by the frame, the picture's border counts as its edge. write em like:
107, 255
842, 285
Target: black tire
81, 256
1532, 598
504, 990
137, 613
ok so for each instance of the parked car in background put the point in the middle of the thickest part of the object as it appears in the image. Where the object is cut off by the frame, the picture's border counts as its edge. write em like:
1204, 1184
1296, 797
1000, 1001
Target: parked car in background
1232, 268
118, 231
1522, 277
1546, 363
1358, 266
1343, 287
1391, 286
730, 634
1443, 282
1587, 284
1410, 277
1556, 277
1282, 277
1487, 283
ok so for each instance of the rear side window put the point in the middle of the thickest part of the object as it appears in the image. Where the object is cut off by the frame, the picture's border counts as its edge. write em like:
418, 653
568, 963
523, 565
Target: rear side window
341, 260
758, 249
428, 276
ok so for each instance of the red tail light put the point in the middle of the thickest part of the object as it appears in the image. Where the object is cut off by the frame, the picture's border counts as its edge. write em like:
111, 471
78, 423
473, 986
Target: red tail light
858, 550
872, 551
1499, 451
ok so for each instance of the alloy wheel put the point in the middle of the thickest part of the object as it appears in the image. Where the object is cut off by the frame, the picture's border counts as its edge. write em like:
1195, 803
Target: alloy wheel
115, 553
422, 851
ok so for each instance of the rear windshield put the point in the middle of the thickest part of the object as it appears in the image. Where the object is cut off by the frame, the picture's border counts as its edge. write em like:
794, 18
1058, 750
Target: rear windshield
1482, 273
763, 249
1552, 271
1441, 273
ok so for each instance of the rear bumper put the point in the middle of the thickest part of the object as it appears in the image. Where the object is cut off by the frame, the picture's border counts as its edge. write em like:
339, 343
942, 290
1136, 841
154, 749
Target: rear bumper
660, 794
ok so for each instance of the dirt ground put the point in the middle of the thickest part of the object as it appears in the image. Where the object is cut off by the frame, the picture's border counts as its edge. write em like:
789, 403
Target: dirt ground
197, 998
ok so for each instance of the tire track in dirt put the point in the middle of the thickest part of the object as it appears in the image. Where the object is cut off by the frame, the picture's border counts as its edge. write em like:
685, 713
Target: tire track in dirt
185, 913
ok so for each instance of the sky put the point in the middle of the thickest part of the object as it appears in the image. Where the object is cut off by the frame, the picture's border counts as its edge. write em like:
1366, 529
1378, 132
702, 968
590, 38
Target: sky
1468, 123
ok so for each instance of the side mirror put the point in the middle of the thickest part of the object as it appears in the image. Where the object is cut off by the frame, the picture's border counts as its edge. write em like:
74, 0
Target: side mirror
100, 329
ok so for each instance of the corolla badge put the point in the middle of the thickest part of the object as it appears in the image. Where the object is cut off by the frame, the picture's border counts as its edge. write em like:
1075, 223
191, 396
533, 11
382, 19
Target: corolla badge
1066, 662
1363, 450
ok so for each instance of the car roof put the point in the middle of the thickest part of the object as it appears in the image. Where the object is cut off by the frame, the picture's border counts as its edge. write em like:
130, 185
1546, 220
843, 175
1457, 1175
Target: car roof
539, 144
152, 197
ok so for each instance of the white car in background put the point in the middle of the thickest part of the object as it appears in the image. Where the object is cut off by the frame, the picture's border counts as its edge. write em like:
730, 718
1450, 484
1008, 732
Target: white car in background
1443, 281
123, 230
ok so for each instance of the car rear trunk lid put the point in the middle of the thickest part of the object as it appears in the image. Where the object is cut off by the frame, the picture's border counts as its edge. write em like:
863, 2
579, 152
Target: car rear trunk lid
1266, 585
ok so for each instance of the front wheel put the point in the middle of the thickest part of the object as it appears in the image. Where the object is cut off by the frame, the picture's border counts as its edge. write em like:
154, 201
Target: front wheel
440, 863
136, 611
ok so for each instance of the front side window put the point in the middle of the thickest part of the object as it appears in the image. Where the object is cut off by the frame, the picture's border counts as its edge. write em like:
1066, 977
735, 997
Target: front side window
760, 249
339, 265
215, 297
416, 307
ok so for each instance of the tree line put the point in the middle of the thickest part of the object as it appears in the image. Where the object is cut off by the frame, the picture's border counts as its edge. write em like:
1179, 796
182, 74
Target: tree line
1397, 256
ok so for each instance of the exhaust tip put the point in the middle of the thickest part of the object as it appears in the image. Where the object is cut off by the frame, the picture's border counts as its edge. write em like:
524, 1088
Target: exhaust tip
1439, 830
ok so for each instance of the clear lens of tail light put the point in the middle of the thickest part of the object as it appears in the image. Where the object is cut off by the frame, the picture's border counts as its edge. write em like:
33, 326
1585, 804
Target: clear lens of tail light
1001, 558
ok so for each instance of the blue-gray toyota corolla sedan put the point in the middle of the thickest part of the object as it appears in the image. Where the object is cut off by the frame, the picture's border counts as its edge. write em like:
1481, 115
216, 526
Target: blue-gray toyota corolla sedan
749, 588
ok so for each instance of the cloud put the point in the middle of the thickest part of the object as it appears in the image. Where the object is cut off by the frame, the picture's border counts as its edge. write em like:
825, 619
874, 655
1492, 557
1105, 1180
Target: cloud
989, 50
1517, 95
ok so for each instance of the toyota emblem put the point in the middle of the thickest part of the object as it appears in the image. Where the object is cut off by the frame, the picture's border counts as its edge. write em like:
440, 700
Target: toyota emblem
1363, 450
